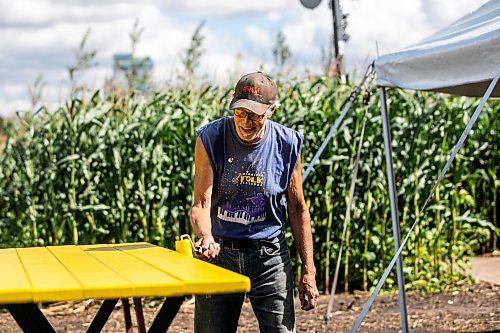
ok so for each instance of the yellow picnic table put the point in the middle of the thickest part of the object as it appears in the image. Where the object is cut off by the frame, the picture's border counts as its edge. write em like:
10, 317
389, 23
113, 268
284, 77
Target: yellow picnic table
110, 272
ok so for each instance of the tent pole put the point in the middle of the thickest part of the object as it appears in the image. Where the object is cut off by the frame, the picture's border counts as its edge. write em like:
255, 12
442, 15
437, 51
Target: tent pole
394, 207
336, 124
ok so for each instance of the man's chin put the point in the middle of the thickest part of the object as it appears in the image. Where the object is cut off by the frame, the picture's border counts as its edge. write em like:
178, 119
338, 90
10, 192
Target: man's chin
247, 136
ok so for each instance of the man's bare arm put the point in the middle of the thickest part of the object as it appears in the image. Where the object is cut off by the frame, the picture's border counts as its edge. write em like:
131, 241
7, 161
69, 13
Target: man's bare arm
300, 223
200, 211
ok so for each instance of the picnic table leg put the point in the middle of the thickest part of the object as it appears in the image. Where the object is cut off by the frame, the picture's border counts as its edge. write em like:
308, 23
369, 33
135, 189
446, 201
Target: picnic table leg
139, 315
102, 316
126, 315
29, 317
166, 315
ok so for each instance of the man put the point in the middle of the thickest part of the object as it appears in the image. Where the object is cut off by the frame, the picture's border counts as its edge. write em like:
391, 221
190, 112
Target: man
245, 167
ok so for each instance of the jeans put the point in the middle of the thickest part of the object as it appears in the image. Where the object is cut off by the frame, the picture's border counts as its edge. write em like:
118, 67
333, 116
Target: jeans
271, 294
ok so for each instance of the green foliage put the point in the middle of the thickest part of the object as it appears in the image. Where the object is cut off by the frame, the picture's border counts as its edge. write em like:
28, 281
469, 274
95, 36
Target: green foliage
84, 59
192, 55
281, 51
36, 91
117, 170
137, 76
327, 58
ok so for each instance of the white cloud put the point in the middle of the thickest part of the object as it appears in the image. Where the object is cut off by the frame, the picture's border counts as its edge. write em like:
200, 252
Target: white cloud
394, 24
224, 8
162, 39
11, 106
390, 23
260, 41
442, 13
29, 13
275, 16
12, 89
40, 36
310, 31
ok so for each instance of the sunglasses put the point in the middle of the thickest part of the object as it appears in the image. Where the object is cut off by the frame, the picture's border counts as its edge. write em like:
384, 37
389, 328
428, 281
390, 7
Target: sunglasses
241, 113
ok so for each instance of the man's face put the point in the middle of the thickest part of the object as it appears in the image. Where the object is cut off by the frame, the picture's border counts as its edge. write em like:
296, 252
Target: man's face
249, 125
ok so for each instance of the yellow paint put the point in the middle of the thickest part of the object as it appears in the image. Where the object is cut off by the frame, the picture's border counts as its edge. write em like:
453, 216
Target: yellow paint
60, 273
145, 279
184, 246
96, 279
50, 280
14, 284
200, 277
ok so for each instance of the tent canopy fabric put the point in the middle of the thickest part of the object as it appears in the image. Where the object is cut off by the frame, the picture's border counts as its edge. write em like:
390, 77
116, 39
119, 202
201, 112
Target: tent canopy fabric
461, 59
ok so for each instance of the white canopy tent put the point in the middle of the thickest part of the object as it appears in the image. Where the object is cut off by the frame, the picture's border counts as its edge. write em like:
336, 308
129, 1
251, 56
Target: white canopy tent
461, 59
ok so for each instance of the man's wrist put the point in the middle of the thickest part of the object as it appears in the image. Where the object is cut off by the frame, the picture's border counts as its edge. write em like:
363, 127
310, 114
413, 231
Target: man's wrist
203, 234
308, 269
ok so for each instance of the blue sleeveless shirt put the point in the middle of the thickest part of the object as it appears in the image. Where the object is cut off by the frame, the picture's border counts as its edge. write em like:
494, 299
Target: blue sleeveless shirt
250, 180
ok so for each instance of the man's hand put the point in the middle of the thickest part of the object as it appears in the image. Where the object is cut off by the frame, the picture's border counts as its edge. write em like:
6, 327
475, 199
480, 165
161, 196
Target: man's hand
308, 292
209, 248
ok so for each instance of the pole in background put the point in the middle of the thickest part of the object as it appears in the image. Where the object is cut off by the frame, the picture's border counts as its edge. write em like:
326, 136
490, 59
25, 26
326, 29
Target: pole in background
339, 30
334, 4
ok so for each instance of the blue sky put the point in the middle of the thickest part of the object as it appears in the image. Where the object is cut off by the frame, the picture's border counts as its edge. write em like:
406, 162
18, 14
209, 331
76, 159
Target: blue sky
39, 37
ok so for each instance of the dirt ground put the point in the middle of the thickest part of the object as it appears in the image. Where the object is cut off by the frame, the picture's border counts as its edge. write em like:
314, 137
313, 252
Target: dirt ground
476, 309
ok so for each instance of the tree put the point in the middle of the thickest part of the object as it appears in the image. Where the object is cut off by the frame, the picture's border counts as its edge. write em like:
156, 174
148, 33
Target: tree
36, 91
327, 60
84, 60
133, 78
192, 55
281, 51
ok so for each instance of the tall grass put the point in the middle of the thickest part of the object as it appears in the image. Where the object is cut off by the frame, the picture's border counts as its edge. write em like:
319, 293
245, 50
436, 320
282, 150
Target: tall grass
111, 169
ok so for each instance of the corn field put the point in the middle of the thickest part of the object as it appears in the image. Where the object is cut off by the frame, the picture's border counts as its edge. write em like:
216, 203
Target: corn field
110, 169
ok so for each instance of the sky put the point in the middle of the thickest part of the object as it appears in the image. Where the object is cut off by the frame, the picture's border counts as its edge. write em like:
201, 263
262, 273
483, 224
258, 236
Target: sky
39, 38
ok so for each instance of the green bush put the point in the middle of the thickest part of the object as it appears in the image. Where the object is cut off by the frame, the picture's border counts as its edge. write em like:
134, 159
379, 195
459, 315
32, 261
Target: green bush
110, 170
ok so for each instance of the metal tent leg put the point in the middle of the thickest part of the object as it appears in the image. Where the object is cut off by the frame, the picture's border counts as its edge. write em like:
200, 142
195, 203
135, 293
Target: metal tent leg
394, 207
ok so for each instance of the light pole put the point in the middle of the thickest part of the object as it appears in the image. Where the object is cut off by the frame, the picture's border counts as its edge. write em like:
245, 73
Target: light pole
334, 4
339, 25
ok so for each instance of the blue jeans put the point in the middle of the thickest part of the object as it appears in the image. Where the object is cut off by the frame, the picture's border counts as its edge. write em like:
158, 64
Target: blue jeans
271, 294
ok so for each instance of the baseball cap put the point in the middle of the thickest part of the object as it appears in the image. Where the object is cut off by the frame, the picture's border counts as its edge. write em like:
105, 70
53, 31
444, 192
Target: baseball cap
255, 92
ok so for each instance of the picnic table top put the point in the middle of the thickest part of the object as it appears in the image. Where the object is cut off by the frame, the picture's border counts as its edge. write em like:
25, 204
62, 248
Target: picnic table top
108, 271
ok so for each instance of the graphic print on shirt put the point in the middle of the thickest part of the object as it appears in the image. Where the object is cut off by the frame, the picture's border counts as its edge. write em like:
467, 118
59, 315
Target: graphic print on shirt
242, 194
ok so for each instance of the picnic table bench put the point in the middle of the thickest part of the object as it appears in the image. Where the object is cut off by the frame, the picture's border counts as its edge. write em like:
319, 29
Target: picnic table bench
106, 271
